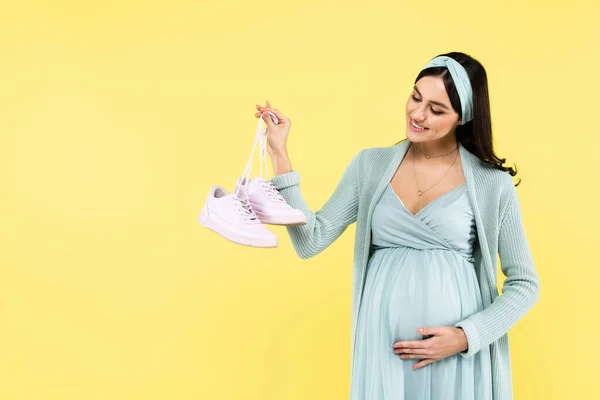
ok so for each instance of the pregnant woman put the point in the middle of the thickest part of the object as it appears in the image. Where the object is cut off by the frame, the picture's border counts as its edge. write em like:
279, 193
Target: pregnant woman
433, 213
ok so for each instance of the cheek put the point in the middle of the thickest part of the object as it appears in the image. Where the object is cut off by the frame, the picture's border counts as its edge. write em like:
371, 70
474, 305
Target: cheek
443, 124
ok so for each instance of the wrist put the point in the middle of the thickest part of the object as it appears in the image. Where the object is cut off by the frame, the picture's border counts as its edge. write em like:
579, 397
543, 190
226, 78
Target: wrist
463, 336
282, 152
281, 162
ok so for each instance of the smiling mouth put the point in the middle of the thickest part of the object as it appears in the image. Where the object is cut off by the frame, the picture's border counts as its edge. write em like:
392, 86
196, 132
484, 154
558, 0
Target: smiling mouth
416, 126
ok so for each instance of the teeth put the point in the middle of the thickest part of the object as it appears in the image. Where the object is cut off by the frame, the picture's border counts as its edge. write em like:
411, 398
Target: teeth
417, 126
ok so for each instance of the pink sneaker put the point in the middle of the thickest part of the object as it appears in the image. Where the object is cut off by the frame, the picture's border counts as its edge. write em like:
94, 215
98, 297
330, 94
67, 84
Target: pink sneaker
270, 207
233, 218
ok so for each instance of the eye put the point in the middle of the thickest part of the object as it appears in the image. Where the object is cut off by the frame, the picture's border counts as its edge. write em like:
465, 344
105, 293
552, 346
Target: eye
415, 98
436, 112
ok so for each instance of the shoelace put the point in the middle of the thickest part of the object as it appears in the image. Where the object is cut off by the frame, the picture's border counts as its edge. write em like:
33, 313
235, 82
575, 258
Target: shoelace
246, 211
246, 174
272, 191
266, 184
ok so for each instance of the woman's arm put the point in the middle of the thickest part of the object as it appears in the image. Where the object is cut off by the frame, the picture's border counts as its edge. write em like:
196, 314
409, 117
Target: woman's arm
327, 224
520, 290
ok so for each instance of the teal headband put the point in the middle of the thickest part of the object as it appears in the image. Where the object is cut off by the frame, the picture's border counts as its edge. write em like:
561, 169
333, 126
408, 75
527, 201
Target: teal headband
461, 81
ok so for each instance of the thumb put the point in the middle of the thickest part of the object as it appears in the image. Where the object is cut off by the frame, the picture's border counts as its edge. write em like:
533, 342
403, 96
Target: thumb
429, 331
268, 121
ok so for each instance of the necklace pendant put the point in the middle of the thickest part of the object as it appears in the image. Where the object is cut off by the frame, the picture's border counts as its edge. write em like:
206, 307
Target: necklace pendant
419, 192
427, 156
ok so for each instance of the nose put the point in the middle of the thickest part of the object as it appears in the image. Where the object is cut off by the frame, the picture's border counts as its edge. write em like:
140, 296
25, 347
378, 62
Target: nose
418, 114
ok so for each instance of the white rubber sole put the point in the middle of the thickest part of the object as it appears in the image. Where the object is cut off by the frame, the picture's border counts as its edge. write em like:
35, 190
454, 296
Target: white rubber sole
282, 221
217, 227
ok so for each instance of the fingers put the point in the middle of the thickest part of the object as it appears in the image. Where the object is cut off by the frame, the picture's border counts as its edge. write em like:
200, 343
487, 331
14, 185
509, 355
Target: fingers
406, 352
417, 356
268, 121
430, 331
411, 344
412, 350
263, 112
423, 363
420, 354
263, 109
277, 113
419, 349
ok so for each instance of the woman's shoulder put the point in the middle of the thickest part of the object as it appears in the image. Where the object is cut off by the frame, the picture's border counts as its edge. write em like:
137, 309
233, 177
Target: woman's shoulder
377, 155
488, 173
493, 183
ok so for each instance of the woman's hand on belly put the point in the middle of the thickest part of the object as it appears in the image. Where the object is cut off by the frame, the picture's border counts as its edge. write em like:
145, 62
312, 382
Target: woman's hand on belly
445, 342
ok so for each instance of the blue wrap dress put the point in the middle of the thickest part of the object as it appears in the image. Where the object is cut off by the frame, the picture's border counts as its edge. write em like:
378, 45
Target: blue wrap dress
421, 274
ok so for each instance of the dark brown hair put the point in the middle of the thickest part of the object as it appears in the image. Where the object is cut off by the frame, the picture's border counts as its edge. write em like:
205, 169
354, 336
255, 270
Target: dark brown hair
476, 135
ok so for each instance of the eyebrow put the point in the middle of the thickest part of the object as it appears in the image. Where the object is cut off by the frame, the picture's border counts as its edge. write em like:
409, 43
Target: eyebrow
437, 103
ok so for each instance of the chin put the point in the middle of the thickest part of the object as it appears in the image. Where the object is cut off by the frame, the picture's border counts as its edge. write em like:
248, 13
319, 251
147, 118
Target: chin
417, 138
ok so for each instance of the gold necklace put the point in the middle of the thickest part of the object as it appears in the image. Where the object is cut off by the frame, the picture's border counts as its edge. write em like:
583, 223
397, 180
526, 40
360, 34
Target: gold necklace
421, 192
428, 156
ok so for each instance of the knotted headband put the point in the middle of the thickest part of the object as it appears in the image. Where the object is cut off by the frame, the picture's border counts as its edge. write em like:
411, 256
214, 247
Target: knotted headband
461, 81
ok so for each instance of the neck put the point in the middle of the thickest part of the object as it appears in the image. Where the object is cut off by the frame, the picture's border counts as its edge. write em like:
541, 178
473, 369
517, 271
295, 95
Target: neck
439, 146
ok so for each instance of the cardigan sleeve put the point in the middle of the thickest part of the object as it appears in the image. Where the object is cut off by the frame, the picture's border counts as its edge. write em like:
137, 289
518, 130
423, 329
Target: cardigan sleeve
521, 286
324, 226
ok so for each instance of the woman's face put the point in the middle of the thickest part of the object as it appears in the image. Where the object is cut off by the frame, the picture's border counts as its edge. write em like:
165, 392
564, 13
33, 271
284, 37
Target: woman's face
429, 114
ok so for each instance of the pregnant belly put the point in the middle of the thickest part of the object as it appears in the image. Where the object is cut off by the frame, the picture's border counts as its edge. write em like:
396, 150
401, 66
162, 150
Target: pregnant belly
410, 288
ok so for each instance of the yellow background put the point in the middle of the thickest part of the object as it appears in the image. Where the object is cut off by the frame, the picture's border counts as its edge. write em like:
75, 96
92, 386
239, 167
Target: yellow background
116, 117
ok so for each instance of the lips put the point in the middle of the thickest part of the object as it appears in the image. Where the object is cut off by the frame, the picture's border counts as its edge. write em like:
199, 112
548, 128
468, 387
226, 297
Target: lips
416, 127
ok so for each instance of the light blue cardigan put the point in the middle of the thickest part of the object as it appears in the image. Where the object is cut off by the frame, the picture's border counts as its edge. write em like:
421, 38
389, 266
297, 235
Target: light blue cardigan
499, 228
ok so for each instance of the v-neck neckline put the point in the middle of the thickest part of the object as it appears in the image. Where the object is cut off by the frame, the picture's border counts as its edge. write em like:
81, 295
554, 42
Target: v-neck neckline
428, 204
